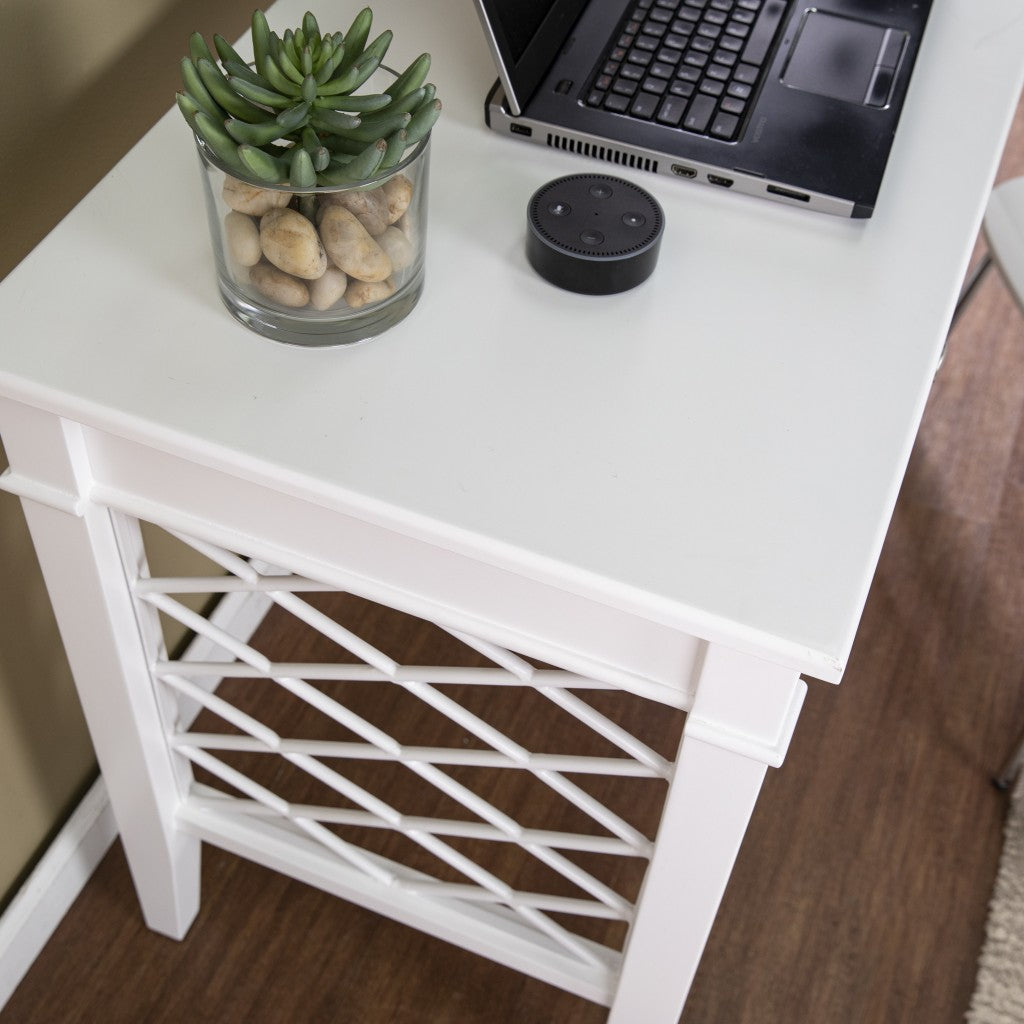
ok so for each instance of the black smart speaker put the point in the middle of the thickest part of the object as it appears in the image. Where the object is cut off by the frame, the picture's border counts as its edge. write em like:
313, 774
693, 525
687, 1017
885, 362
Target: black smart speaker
593, 233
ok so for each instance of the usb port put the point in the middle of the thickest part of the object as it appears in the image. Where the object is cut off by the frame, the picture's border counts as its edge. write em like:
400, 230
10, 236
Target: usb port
717, 179
684, 172
520, 129
778, 190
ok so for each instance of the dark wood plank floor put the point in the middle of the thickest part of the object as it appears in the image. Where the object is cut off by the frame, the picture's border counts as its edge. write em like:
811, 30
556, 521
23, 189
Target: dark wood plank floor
860, 893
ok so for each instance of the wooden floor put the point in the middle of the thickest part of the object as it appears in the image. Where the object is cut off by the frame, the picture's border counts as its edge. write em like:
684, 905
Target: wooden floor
860, 893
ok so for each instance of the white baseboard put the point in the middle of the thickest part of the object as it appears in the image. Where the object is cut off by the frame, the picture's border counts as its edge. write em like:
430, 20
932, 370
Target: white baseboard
41, 903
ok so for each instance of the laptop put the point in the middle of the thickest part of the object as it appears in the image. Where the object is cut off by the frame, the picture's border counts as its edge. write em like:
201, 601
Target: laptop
787, 100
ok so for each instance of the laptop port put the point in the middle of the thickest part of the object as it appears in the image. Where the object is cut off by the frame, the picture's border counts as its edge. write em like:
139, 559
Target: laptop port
684, 172
778, 190
520, 129
717, 179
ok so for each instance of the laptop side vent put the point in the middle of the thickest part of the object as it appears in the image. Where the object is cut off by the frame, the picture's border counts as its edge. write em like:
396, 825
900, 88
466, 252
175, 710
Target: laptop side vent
614, 156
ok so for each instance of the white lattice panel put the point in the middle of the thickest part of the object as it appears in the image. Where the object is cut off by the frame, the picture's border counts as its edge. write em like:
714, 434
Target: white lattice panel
504, 805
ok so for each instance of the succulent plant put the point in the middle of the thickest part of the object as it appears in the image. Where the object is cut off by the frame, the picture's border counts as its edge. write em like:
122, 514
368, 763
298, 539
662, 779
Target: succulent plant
292, 116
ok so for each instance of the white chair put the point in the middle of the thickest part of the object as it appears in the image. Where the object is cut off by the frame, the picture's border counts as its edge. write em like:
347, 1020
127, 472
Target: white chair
1004, 232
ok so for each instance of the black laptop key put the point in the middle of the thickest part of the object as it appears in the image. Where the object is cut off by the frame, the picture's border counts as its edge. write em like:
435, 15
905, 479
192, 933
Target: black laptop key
731, 105
675, 41
760, 40
641, 57
671, 110
719, 72
644, 105
684, 89
616, 103
724, 126
700, 112
739, 90
746, 73
660, 70
647, 42
624, 87
634, 72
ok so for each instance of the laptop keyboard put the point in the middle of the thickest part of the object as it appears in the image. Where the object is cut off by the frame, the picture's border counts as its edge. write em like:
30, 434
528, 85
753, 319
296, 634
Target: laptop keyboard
690, 64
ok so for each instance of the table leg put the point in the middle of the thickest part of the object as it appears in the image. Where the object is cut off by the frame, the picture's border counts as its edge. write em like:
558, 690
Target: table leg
78, 550
741, 722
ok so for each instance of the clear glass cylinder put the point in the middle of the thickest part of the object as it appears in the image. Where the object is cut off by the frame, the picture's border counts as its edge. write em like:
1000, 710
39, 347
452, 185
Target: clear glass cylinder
332, 265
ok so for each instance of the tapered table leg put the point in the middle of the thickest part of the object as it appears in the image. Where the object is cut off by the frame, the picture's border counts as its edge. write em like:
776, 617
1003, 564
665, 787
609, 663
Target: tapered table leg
85, 575
741, 723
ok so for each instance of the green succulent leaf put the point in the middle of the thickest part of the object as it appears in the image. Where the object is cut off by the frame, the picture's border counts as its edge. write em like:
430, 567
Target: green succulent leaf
197, 48
260, 31
257, 94
198, 92
368, 104
334, 121
378, 127
253, 134
226, 51
310, 28
225, 96
356, 168
396, 146
278, 80
423, 120
356, 36
294, 118
301, 172
214, 135
411, 78
379, 47
263, 165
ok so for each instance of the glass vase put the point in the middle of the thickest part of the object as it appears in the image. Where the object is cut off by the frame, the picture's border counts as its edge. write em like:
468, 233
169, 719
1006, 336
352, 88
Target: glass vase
331, 265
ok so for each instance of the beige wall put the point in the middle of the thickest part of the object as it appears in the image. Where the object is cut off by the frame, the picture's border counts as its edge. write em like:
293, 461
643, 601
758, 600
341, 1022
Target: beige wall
79, 84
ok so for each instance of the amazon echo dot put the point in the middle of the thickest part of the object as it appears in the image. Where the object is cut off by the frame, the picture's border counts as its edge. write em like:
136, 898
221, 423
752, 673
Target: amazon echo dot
593, 233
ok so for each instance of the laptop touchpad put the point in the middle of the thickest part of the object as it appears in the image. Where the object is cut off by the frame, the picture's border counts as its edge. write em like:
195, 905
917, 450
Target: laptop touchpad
845, 59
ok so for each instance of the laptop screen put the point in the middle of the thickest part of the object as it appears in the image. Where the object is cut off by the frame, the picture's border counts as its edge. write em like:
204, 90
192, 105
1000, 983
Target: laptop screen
525, 37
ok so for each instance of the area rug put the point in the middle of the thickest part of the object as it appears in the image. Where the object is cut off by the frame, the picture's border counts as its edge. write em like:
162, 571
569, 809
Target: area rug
999, 992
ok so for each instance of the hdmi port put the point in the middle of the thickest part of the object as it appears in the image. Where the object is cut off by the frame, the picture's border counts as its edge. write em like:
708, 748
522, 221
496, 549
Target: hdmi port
684, 172
717, 179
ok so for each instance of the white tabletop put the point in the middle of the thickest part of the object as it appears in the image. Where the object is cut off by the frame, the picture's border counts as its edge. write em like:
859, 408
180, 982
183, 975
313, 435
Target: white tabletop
719, 449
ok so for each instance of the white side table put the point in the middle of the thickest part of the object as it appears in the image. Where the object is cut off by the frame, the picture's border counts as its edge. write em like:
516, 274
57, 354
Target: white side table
678, 493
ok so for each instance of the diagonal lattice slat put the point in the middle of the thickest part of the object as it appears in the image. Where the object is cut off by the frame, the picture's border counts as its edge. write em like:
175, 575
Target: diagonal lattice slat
237, 741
